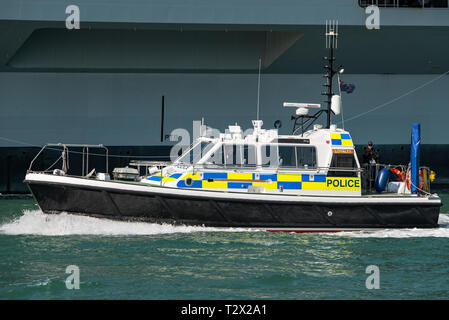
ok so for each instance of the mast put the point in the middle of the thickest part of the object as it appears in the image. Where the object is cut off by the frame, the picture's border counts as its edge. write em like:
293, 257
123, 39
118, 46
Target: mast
331, 44
301, 119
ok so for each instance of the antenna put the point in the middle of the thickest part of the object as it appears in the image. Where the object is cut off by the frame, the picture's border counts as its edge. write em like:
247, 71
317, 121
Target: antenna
331, 44
301, 119
258, 89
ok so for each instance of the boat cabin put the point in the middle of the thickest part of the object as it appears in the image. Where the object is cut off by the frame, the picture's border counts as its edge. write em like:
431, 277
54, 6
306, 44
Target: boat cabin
317, 162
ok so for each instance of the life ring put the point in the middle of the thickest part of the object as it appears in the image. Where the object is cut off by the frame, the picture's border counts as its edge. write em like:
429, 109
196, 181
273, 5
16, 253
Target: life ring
398, 173
421, 180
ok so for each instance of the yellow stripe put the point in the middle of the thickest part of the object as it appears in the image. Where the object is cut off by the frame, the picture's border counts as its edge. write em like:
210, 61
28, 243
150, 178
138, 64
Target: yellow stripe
215, 185
335, 184
272, 185
346, 142
313, 186
239, 175
195, 176
289, 177
167, 179
335, 136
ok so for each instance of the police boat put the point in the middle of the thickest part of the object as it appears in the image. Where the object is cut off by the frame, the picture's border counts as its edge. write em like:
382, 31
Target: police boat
308, 181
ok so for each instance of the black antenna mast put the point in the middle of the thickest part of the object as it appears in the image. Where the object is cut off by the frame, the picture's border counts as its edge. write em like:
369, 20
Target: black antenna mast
331, 44
304, 121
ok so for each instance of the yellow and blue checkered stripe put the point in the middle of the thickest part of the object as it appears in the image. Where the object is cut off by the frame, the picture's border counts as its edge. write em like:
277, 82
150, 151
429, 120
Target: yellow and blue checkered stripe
341, 139
159, 178
286, 181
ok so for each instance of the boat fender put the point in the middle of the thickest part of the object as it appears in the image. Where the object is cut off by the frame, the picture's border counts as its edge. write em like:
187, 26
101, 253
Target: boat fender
58, 172
382, 180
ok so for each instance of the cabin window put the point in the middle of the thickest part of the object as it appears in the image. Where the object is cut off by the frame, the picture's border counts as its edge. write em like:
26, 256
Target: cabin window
270, 156
233, 155
249, 155
196, 153
306, 157
216, 158
342, 161
288, 156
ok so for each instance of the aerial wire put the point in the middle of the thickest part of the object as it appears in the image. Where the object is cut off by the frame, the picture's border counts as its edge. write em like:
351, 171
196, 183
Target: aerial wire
398, 98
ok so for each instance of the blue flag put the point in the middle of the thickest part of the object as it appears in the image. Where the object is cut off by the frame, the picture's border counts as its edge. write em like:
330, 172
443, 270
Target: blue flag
346, 87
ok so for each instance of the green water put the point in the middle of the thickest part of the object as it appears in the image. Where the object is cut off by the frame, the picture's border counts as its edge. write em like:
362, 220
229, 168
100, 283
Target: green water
119, 260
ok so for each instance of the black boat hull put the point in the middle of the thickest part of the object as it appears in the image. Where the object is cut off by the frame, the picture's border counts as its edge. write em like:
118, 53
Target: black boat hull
159, 207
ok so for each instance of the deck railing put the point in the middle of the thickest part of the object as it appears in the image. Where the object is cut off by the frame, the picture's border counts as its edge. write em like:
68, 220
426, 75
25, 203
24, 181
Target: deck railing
64, 148
371, 172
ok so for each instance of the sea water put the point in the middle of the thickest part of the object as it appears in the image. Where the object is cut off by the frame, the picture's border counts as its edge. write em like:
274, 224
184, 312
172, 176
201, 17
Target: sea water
130, 260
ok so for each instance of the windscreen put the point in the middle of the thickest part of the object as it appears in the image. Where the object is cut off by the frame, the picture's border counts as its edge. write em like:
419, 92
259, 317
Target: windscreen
193, 155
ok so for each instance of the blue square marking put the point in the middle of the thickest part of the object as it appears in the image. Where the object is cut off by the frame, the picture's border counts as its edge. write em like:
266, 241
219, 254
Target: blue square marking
336, 142
195, 184
272, 177
215, 175
239, 185
290, 185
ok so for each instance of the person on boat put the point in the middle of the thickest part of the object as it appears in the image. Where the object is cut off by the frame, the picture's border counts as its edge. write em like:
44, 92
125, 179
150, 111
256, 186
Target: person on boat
370, 155
370, 159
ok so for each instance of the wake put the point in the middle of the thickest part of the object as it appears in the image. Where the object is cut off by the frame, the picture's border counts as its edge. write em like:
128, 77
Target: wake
35, 222
441, 232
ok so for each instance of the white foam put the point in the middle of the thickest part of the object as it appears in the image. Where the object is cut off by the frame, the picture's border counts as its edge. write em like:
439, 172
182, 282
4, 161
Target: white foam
442, 232
443, 219
37, 223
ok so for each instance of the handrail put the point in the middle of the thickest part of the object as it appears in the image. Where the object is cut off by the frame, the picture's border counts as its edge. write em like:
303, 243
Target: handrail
149, 163
65, 150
